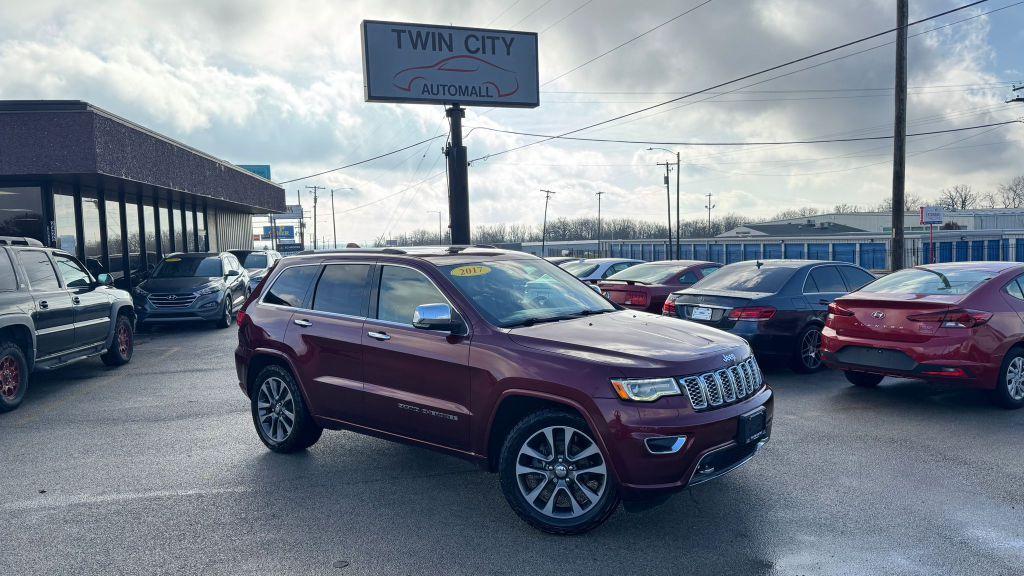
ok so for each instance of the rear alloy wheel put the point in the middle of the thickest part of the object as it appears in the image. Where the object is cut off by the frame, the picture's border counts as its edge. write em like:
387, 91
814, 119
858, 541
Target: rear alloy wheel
863, 379
123, 346
280, 415
807, 356
13, 376
554, 475
1009, 392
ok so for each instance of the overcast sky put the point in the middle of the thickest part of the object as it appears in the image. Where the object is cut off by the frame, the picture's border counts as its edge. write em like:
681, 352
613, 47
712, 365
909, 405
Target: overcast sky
280, 83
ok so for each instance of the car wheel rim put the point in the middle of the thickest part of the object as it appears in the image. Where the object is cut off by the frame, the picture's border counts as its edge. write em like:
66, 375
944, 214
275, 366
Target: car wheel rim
275, 409
10, 377
810, 349
561, 473
227, 313
124, 340
1015, 378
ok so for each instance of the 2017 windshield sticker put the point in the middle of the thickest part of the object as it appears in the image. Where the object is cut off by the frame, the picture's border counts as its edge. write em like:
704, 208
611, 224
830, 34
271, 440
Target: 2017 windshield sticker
465, 271
172, 260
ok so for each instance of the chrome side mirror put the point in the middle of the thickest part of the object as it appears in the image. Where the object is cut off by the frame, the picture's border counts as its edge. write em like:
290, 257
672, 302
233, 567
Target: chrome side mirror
104, 280
433, 317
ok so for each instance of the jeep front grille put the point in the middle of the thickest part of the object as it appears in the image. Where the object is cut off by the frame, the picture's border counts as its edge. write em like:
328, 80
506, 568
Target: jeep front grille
723, 387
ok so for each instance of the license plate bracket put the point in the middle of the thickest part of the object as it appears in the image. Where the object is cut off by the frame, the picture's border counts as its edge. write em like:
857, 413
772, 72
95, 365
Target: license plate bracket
701, 313
752, 426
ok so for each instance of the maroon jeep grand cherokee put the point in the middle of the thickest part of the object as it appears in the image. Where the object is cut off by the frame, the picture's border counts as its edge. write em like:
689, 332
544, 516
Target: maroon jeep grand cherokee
504, 359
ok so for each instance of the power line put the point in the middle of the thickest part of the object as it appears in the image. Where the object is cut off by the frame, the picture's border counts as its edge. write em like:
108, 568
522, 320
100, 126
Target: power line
531, 13
740, 79
377, 157
503, 12
627, 42
966, 87
777, 143
563, 18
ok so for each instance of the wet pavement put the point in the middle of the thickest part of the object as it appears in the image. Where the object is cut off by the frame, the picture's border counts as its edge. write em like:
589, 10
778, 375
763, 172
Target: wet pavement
154, 468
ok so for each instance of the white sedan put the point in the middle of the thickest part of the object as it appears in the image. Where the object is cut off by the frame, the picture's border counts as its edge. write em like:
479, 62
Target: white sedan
591, 270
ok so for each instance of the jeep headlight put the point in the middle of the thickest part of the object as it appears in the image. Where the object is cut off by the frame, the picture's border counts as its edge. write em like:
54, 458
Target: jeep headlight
645, 389
140, 292
211, 289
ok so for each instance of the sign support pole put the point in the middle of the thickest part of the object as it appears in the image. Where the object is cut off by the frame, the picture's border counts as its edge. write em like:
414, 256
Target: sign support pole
931, 242
458, 179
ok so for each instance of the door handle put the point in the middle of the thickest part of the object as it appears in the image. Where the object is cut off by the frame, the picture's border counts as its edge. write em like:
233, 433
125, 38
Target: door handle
302, 322
44, 304
76, 300
824, 302
382, 336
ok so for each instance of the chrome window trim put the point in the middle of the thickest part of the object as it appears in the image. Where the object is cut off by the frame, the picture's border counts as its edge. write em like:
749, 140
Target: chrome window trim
815, 267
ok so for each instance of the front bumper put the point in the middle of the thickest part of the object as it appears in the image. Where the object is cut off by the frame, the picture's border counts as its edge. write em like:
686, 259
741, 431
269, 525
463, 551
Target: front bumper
203, 309
712, 448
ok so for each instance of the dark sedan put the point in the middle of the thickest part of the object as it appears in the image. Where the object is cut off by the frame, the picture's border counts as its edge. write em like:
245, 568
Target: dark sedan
646, 286
779, 306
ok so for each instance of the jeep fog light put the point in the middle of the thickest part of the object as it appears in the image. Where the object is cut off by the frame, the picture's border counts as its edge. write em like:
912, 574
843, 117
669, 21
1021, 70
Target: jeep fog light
645, 389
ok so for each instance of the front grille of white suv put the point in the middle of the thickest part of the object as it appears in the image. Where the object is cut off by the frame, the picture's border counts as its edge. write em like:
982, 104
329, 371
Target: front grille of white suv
723, 387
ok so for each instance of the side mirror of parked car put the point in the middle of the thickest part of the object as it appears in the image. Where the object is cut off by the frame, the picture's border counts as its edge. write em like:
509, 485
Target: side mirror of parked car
595, 287
105, 280
233, 273
434, 317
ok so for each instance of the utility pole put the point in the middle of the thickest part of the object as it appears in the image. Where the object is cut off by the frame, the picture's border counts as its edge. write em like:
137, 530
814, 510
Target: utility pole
599, 194
334, 223
302, 219
544, 228
440, 237
315, 197
668, 198
709, 206
1017, 98
678, 247
458, 179
899, 161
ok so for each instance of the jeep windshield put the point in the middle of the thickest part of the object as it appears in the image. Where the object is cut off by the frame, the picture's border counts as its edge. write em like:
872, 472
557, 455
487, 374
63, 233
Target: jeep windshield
511, 293
188, 267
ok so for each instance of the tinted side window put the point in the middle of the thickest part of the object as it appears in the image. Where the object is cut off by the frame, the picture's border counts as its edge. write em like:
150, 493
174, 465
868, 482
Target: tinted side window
1013, 289
7, 279
688, 278
343, 289
827, 279
856, 278
401, 291
41, 275
289, 289
72, 273
710, 270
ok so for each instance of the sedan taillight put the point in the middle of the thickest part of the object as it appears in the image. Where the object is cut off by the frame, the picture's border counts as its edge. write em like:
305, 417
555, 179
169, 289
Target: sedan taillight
837, 310
958, 318
635, 299
669, 308
757, 313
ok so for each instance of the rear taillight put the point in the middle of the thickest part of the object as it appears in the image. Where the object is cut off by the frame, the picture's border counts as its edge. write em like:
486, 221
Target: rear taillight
242, 318
635, 299
837, 310
752, 313
669, 309
958, 318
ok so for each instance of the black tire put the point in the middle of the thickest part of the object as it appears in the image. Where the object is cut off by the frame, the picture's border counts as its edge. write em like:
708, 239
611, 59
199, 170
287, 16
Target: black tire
801, 361
227, 313
526, 431
13, 376
123, 345
1009, 392
304, 431
863, 379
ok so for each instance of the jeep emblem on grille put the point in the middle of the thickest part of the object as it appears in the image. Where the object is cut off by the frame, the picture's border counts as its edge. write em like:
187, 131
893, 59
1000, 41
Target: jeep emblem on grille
878, 314
727, 358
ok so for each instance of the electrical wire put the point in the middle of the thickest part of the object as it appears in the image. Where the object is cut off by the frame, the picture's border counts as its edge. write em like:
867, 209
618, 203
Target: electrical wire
377, 157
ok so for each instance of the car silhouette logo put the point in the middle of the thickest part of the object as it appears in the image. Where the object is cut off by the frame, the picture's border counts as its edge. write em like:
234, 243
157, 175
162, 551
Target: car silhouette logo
458, 72
878, 315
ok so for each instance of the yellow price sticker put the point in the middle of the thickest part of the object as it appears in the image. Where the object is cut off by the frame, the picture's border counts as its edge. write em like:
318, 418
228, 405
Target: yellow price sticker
172, 260
465, 271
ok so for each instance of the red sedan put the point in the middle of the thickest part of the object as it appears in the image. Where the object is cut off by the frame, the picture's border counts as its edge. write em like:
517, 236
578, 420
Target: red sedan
646, 286
954, 323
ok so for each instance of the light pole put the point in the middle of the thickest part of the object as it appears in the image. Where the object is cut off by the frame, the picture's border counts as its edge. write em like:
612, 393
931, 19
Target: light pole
678, 225
599, 194
334, 221
544, 228
440, 237
668, 200
709, 206
315, 198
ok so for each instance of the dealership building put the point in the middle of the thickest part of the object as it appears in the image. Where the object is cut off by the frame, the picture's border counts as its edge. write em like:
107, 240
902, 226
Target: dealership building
117, 195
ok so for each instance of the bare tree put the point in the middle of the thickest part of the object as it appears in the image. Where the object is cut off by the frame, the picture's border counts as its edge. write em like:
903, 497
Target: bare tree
847, 209
911, 202
1011, 194
959, 197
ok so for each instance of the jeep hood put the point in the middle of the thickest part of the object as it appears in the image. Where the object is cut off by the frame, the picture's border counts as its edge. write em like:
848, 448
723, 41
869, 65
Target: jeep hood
627, 338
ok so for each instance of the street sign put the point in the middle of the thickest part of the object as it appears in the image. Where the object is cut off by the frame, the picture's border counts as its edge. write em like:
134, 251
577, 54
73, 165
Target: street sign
449, 65
290, 211
289, 247
283, 232
931, 215
261, 170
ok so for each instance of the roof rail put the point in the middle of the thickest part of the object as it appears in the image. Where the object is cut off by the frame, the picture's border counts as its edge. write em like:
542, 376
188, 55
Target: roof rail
455, 249
348, 251
19, 241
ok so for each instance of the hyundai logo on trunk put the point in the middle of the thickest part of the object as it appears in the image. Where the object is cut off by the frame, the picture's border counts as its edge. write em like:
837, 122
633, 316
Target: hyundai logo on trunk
878, 315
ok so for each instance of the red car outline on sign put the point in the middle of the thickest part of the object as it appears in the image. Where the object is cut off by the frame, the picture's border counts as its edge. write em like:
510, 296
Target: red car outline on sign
404, 79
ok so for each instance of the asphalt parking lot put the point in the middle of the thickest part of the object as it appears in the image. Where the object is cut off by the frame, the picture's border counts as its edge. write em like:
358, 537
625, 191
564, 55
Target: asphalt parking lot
154, 469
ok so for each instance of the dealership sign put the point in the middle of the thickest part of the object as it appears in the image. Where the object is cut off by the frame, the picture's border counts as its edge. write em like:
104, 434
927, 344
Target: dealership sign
283, 232
931, 215
449, 65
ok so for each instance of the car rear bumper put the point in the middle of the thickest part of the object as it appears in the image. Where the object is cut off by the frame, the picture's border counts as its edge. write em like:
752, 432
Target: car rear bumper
938, 360
712, 447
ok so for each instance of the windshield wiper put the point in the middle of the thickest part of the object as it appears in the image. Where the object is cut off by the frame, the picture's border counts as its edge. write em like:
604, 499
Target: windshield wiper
531, 321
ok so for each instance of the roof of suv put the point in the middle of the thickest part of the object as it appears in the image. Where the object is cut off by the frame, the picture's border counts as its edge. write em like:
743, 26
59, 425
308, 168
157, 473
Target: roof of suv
436, 255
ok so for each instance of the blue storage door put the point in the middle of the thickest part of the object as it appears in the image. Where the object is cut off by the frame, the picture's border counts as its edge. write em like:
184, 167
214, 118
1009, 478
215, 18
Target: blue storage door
993, 250
772, 251
751, 251
945, 252
1004, 247
733, 253
818, 252
686, 251
615, 250
872, 256
794, 251
717, 254
845, 252
1018, 254
700, 252
977, 250
926, 253
961, 251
